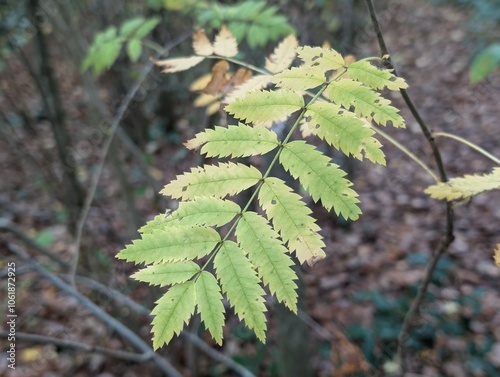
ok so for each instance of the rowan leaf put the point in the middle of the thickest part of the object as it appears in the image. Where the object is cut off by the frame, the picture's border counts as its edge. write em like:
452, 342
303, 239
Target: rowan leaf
212, 180
375, 77
366, 102
201, 44
205, 211
343, 130
283, 55
210, 307
178, 64
465, 187
323, 179
497, 255
167, 274
325, 58
157, 223
225, 44
172, 311
235, 141
291, 218
253, 84
265, 106
171, 244
300, 78
267, 253
241, 285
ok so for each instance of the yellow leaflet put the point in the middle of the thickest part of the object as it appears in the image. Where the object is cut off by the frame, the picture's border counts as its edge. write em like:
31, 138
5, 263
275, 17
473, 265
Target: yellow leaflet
283, 55
178, 64
201, 44
225, 44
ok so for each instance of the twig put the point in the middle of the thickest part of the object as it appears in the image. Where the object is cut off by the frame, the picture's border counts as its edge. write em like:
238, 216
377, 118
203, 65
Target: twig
42, 339
116, 325
8, 226
448, 236
470, 145
95, 179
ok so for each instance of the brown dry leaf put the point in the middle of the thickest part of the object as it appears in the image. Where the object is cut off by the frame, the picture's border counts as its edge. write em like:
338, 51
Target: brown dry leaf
283, 55
349, 59
201, 44
225, 44
219, 78
240, 76
347, 359
178, 64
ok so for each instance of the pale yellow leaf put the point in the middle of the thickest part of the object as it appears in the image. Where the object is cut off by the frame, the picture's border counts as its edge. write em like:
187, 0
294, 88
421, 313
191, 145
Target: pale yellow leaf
497, 255
178, 64
200, 83
205, 100
225, 44
201, 44
250, 85
283, 56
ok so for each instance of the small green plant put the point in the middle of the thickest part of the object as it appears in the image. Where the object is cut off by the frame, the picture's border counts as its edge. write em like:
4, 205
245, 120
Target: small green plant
211, 245
107, 44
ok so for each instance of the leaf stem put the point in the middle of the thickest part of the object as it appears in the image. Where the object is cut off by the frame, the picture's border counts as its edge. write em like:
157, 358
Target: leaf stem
469, 144
406, 151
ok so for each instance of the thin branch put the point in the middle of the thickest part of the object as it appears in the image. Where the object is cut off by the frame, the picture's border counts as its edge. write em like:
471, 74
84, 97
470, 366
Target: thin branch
96, 177
470, 145
448, 236
406, 151
8, 226
42, 339
116, 325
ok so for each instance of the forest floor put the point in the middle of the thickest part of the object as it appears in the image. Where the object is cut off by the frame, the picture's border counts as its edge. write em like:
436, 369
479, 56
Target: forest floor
358, 295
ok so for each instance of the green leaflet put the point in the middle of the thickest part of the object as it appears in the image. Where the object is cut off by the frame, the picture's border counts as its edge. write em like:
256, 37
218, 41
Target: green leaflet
167, 274
267, 253
207, 211
235, 141
159, 222
325, 58
374, 77
300, 78
173, 310
291, 217
366, 102
211, 180
171, 244
265, 106
241, 285
343, 130
210, 305
321, 178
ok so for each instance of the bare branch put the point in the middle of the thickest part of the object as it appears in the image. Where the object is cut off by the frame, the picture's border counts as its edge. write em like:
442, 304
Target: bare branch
116, 325
42, 339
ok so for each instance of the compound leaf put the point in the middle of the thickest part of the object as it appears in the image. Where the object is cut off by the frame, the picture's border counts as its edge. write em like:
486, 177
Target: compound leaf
291, 217
211, 180
267, 253
210, 307
241, 286
323, 179
172, 311
366, 102
235, 141
374, 77
265, 106
171, 245
343, 130
167, 274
